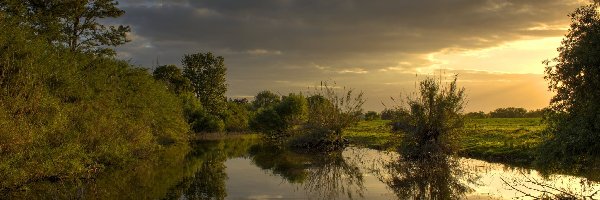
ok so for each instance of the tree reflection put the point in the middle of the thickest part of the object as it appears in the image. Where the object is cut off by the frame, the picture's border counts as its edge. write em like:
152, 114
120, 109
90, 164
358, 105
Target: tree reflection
324, 176
431, 177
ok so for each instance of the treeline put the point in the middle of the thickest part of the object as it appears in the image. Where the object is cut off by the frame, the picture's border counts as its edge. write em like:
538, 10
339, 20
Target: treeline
510, 112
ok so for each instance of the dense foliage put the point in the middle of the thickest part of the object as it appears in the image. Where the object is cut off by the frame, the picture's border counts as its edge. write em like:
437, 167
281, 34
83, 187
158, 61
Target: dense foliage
281, 120
72, 24
207, 75
67, 113
574, 124
433, 119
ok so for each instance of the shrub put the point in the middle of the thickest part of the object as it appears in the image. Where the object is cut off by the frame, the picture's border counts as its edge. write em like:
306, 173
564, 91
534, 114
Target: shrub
433, 119
283, 119
330, 112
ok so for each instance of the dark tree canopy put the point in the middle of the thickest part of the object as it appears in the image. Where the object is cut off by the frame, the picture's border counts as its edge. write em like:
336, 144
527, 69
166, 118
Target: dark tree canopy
574, 124
265, 99
172, 76
207, 75
71, 23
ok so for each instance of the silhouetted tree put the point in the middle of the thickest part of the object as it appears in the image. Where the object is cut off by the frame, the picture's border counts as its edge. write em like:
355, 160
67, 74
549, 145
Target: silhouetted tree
207, 75
574, 124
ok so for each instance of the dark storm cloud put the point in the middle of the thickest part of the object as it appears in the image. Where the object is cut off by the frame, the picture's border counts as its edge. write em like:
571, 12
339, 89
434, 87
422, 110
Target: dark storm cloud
265, 41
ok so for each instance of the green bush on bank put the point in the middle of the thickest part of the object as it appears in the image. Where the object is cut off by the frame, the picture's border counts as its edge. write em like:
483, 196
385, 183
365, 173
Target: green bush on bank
66, 114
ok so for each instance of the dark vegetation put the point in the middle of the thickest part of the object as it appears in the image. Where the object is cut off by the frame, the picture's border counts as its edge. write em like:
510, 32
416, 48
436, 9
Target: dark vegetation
510, 112
573, 132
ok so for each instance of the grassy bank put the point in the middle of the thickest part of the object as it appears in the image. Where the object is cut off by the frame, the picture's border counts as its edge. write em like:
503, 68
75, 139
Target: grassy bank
496, 139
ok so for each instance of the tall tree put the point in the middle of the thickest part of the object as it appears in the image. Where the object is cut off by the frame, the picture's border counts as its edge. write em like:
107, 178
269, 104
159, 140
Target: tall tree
71, 23
207, 75
574, 124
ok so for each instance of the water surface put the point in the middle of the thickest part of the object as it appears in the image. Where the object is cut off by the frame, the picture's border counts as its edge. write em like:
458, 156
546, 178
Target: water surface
251, 169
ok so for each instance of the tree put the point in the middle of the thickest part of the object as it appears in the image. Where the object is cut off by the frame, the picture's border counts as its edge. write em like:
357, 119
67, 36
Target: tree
510, 112
171, 75
574, 124
265, 99
71, 23
281, 120
207, 75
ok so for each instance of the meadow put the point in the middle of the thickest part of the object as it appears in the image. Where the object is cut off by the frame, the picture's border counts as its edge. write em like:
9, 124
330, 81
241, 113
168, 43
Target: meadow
512, 140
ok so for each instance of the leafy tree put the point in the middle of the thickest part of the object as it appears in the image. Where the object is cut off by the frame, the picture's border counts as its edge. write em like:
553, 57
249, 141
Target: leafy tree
171, 75
71, 23
574, 124
281, 120
207, 75
237, 116
265, 99
433, 118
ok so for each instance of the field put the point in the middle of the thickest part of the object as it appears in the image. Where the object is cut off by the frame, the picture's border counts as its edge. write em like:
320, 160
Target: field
496, 139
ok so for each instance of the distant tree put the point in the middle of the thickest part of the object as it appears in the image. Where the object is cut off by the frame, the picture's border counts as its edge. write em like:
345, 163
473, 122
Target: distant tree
172, 76
574, 123
71, 23
510, 112
538, 113
240, 101
476, 115
265, 99
371, 115
392, 114
207, 75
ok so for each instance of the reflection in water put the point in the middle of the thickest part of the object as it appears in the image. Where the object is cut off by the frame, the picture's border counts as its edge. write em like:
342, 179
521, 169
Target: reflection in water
204, 171
326, 176
433, 177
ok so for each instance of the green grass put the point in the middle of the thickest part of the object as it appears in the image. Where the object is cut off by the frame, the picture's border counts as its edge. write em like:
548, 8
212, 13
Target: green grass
501, 139
374, 134
495, 139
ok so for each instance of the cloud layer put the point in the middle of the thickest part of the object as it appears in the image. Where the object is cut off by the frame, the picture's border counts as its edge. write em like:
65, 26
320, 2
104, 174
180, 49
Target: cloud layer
287, 45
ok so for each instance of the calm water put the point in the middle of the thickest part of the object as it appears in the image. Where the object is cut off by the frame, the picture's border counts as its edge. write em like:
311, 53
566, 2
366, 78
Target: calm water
249, 169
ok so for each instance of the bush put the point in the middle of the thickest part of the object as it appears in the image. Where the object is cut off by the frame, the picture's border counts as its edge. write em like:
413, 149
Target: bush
330, 113
433, 119
372, 115
282, 120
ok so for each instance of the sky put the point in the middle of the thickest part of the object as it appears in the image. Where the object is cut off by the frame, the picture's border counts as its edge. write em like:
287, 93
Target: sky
380, 47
